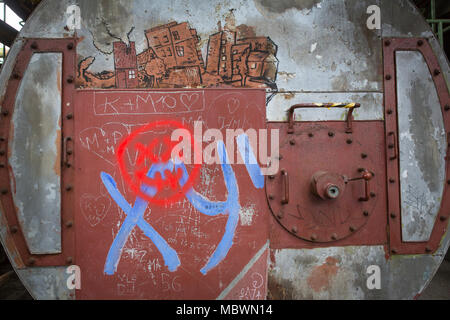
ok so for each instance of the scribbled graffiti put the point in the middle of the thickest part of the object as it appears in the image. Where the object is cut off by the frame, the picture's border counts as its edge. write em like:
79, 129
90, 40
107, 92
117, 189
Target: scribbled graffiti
229, 207
173, 59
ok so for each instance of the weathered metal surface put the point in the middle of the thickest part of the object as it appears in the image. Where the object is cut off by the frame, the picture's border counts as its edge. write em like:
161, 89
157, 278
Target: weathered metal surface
313, 51
396, 97
35, 154
14, 111
422, 146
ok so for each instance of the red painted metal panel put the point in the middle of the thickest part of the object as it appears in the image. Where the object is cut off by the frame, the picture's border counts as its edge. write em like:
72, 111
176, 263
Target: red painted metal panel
104, 120
391, 45
303, 219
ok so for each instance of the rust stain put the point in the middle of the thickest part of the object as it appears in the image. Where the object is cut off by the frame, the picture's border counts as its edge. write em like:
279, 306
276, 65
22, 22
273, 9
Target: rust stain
57, 166
58, 80
321, 276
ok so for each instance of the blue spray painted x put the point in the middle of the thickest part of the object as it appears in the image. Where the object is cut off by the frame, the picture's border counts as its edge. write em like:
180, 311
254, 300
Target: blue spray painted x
229, 207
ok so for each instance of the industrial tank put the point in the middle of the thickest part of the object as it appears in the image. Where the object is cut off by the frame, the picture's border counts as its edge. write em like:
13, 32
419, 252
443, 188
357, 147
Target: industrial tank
348, 104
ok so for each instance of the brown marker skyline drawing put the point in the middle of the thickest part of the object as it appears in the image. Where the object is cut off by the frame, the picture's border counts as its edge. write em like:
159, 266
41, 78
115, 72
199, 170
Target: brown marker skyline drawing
173, 60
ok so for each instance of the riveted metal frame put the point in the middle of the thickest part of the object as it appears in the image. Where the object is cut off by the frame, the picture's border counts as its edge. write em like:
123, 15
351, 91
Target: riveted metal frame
390, 46
15, 235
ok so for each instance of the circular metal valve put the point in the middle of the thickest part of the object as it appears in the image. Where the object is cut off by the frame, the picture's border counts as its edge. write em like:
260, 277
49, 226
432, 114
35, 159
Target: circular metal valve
327, 185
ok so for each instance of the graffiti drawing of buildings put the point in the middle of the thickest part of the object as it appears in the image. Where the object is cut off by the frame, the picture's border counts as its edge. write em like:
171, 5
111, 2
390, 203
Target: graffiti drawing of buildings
125, 65
173, 59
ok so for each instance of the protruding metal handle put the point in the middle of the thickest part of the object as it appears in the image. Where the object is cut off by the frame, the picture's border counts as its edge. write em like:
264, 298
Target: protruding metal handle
66, 152
392, 145
285, 186
366, 176
349, 106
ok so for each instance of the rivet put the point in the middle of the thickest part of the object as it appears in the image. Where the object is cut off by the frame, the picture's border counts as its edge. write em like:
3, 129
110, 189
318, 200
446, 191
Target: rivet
271, 197
69, 116
349, 141
389, 111
271, 177
390, 145
448, 181
427, 249
387, 43
292, 142
391, 180
313, 237
69, 152
31, 261
70, 46
280, 215
394, 251
5, 112
280, 157
447, 107
334, 236
69, 260
363, 155
294, 229
437, 72
16, 76
443, 218
2, 152
331, 134
34, 46
388, 77
4, 191
393, 215
373, 195
14, 229
68, 188
352, 229
70, 79
310, 135
2, 165
69, 224
420, 43
361, 169
366, 213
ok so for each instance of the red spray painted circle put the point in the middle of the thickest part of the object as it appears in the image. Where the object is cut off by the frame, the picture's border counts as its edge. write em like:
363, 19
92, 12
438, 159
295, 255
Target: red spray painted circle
146, 152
